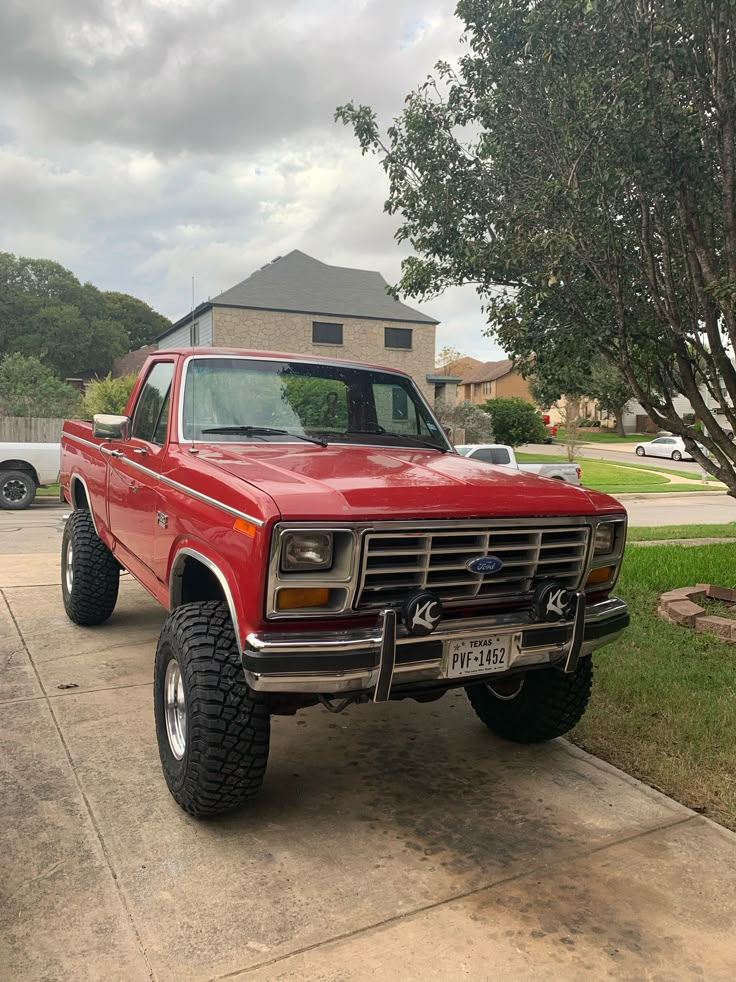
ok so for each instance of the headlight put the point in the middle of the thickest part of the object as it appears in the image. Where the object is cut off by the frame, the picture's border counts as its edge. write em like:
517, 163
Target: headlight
604, 538
306, 551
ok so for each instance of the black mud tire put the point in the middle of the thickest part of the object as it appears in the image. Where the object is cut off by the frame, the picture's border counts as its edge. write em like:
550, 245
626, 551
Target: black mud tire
548, 704
17, 490
227, 728
91, 595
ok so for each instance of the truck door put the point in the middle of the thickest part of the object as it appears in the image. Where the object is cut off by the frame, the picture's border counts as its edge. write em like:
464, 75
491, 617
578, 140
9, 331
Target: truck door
134, 466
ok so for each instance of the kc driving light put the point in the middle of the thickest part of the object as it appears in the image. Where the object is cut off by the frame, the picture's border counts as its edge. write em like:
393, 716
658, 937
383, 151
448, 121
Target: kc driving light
306, 551
604, 540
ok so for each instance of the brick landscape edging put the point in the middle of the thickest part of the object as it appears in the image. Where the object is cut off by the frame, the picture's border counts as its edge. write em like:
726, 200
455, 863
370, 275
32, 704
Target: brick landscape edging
681, 607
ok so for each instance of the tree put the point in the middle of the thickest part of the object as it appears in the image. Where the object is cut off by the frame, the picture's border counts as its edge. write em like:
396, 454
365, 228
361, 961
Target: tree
475, 424
447, 356
141, 322
107, 395
569, 410
72, 327
30, 388
579, 167
610, 389
515, 421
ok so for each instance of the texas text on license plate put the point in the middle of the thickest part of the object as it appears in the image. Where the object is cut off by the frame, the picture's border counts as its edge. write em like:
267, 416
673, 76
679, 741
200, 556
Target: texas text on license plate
478, 656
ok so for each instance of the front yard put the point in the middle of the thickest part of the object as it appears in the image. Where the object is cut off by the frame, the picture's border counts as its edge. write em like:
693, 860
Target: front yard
624, 478
664, 697
726, 530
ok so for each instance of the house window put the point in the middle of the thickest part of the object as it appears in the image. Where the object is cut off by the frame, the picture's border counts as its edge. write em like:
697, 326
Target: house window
194, 334
487, 388
397, 337
324, 333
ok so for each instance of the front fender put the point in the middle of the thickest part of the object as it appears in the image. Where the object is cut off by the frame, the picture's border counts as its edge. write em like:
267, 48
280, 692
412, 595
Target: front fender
201, 551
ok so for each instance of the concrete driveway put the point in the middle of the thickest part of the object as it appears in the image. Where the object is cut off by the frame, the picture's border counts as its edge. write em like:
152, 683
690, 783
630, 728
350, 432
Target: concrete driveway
403, 842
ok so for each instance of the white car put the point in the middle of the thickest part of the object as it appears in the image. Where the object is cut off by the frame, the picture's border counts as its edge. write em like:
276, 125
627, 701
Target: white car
672, 447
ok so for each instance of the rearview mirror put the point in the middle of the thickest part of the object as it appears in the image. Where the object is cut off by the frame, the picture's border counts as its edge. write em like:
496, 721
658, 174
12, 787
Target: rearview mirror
108, 427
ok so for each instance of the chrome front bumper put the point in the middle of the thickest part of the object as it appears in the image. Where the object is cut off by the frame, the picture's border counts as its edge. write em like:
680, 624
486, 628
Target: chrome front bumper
385, 656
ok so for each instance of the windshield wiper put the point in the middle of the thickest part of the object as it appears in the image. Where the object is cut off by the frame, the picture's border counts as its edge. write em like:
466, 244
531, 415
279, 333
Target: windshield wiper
264, 431
399, 436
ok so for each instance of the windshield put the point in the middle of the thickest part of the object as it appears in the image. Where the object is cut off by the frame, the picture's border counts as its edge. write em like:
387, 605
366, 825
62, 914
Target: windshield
335, 402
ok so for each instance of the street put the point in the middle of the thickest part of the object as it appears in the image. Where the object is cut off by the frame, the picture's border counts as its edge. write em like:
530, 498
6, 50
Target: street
401, 841
707, 508
617, 453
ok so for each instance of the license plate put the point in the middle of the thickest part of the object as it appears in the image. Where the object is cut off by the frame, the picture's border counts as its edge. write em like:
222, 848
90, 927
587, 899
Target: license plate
479, 656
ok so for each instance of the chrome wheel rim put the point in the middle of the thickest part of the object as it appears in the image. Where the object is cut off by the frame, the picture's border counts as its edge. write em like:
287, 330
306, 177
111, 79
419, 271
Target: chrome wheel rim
14, 490
175, 709
69, 568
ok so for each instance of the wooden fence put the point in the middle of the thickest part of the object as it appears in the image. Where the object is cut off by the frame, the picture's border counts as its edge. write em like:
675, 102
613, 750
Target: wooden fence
29, 429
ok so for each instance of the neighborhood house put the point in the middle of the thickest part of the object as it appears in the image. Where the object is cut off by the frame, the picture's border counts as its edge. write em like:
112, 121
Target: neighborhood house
470, 380
304, 306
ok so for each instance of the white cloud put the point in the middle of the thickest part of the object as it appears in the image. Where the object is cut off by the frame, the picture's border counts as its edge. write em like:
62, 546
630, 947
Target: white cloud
146, 141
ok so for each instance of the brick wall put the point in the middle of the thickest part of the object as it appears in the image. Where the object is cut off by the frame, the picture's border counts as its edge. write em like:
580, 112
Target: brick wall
363, 340
512, 385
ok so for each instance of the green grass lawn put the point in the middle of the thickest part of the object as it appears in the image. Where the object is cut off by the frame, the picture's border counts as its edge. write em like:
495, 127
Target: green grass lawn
596, 435
602, 475
688, 475
664, 697
49, 491
654, 532
533, 458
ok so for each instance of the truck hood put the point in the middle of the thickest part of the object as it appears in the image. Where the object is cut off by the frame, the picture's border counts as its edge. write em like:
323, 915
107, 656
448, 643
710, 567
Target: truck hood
354, 483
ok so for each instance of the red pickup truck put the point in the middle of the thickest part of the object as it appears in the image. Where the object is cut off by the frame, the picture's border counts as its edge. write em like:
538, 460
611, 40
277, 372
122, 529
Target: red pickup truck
316, 539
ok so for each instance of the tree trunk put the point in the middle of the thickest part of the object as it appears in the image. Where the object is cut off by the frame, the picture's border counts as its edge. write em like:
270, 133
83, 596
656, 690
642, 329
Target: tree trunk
620, 424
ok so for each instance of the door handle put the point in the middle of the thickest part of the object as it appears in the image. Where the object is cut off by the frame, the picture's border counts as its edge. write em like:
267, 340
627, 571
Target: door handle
116, 453
140, 450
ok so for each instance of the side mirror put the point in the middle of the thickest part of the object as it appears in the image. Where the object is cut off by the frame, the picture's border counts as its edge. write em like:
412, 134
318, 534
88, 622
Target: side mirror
107, 427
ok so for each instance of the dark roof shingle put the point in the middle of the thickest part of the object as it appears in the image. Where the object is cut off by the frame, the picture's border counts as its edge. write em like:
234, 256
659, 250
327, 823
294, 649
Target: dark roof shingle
297, 282
489, 371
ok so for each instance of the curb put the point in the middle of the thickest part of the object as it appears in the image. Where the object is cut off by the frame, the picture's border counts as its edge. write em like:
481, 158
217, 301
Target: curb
654, 793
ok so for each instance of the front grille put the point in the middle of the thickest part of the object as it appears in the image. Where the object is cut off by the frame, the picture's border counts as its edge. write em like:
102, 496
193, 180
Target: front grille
396, 563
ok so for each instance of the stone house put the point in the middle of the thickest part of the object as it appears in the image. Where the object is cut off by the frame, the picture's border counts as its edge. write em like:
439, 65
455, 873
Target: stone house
299, 305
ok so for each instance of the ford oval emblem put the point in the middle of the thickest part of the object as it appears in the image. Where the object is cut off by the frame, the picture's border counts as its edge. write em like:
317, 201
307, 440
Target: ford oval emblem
484, 565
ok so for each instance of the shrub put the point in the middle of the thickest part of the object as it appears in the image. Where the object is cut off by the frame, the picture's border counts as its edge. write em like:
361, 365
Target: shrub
472, 419
30, 388
107, 395
515, 421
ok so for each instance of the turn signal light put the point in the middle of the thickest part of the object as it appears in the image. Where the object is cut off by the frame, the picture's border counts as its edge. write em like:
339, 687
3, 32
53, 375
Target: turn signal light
247, 528
601, 575
302, 597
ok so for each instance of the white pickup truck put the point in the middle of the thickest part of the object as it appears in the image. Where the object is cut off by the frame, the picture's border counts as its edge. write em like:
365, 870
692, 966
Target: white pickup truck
24, 467
503, 456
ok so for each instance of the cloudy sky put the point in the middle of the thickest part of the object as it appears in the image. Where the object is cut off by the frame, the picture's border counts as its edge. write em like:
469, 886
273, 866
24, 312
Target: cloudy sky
146, 141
